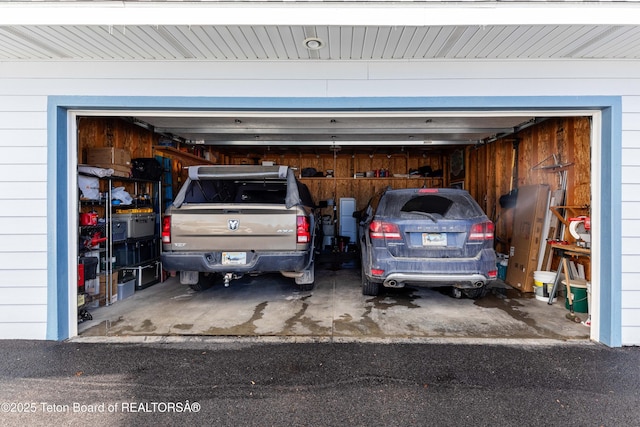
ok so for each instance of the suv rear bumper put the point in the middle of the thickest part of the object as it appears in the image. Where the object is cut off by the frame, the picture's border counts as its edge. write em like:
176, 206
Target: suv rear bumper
462, 272
256, 262
395, 280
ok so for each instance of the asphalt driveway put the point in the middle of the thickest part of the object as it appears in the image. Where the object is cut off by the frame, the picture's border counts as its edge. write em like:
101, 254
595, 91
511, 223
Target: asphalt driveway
205, 381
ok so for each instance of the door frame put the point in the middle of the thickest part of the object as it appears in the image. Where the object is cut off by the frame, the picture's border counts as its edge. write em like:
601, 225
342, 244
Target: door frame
605, 111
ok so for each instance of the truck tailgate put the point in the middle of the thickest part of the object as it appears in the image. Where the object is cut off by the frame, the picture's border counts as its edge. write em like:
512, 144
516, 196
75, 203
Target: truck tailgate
242, 228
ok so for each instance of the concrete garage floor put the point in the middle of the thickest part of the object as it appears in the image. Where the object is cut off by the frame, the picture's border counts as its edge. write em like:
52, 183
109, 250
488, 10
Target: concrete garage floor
270, 305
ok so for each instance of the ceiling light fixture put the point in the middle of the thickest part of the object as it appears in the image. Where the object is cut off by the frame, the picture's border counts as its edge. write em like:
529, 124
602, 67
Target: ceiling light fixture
313, 43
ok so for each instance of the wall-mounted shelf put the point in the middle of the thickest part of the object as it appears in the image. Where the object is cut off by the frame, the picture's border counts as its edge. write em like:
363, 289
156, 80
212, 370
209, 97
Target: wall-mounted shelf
174, 152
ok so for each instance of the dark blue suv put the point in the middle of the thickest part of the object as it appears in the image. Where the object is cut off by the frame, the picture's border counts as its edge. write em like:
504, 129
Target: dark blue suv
429, 237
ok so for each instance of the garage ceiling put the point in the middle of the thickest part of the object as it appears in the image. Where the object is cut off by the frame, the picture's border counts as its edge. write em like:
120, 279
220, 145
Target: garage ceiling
317, 132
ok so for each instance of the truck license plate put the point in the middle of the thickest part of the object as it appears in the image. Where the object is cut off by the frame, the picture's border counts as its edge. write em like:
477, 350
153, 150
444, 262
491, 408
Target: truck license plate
434, 239
234, 258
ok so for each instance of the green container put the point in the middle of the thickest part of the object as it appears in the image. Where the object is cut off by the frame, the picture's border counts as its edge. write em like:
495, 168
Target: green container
580, 297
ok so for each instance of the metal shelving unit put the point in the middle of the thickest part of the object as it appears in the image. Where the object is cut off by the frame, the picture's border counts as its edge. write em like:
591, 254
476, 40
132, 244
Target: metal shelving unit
105, 204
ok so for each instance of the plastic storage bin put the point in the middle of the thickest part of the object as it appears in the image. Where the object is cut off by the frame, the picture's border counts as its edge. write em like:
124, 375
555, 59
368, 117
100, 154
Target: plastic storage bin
126, 289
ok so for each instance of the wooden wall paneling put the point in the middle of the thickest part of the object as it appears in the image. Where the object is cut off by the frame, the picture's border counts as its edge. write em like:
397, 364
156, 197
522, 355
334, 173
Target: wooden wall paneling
95, 132
502, 159
343, 188
476, 164
362, 191
327, 188
341, 165
414, 162
501, 166
90, 135
581, 135
568, 138
487, 172
473, 163
398, 164
315, 188
316, 162
364, 163
477, 179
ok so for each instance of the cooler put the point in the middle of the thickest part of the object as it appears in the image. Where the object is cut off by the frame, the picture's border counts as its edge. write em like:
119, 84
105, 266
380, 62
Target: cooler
138, 224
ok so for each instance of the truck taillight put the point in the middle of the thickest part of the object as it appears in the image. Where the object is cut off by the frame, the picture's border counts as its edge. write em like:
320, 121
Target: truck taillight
166, 229
482, 231
303, 232
384, 230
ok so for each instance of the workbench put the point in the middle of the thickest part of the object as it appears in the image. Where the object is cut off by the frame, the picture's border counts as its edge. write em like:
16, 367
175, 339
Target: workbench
564, 252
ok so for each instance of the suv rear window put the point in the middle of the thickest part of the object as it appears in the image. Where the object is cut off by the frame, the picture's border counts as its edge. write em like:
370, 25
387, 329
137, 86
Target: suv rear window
428, 204
447, 206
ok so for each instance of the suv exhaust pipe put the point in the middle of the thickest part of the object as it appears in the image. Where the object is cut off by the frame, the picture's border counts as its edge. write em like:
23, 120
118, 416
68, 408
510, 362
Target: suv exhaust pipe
393, 284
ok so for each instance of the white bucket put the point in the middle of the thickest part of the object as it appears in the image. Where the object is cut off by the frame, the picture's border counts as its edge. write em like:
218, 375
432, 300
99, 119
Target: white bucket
544, 276
543, 281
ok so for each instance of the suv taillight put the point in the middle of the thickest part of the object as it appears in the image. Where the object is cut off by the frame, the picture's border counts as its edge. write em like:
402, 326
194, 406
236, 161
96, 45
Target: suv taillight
303, 232
384, 230
166, 229
482, 231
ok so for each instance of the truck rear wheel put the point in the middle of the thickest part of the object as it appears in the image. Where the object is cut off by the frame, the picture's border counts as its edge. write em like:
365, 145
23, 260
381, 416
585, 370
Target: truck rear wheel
196, 280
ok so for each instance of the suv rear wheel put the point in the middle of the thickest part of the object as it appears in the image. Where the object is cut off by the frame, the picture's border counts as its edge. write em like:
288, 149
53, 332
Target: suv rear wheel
369, 287
477, 292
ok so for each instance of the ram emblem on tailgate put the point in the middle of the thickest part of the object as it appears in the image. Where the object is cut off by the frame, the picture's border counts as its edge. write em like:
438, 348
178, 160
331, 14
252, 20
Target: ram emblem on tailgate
234, 224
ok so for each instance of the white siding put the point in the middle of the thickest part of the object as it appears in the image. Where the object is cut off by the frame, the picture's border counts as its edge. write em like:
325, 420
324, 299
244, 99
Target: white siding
631, 221
23, 144
23, 227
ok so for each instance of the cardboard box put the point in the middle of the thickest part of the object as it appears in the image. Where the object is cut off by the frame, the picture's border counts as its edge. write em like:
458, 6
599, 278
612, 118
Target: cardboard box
532, 206
108, 156
104, 290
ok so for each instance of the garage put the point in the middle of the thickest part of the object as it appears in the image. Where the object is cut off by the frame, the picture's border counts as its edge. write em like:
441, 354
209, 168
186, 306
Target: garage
491, 98
344, 157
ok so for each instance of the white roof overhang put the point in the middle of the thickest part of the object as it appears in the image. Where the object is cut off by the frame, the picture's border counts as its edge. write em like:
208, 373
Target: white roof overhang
363, 30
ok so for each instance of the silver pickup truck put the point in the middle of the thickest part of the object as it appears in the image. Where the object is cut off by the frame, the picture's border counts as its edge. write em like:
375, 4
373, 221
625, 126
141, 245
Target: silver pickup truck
234, 220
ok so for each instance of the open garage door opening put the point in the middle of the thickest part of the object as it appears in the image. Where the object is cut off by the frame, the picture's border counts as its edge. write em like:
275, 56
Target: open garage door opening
530, 174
